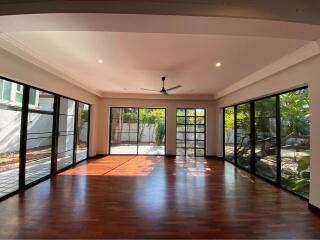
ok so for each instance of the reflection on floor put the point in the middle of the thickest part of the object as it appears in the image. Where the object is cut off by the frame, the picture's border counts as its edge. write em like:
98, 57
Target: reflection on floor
194, 166
9, 180
156, 197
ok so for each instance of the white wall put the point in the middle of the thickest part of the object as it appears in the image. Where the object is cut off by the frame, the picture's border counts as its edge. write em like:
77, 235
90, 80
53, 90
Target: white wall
20, 70
304, 73
170, 105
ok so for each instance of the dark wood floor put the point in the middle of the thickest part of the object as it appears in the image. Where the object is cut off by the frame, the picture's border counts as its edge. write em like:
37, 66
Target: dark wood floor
153, 197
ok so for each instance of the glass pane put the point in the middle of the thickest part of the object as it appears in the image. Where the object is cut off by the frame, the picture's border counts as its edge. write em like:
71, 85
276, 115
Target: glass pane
180, 128
190, 144
190, 136
200, 128
295, 141
126, 137
65, 143
33, 96
10, 124
191, 120
200, 112
200, 136
180, 136
67, 106
7, 87
124, 134
181, 120
66, 159
190, 128
66, 123
191, 112
229, 133
200, 120
45, 101
152, 131
1, 89
180, 144
181, 151
266, 147
190, 152
243, 136
200, 152
193, 132
82, 131
39, 143
19, 93
66, 133
200, 144
181, 112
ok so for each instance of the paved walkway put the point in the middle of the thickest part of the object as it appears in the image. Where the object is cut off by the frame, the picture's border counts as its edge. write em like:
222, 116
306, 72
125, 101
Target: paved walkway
143, 149
9, 180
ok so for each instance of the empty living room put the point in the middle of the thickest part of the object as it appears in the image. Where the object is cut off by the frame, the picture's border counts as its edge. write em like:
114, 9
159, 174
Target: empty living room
135, 119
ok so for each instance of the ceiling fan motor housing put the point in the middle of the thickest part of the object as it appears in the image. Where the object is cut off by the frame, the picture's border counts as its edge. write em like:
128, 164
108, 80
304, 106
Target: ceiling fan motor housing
163, 90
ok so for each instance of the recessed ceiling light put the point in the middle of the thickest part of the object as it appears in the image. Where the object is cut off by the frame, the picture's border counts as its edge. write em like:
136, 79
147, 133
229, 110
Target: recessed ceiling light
218, 64
100, 61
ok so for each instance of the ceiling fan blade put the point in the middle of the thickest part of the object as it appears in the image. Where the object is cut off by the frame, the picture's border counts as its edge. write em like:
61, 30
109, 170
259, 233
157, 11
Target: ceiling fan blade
146, 89
173, 88
165, 93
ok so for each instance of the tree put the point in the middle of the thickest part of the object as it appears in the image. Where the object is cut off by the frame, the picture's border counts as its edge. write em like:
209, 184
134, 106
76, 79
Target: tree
148, 117
229, 123
295, 113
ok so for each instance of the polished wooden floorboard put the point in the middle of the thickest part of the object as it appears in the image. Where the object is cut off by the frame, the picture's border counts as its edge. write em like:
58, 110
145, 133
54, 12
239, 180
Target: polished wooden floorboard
156, 197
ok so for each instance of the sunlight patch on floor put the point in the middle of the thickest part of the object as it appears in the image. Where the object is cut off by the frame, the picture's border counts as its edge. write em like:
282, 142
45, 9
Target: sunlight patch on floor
117, 166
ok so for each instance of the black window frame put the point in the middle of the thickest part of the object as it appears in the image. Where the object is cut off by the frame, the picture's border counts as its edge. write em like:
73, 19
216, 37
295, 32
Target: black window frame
138, 128
23, 137
52, 133
67, 133
252, 170
194, 131
76, 132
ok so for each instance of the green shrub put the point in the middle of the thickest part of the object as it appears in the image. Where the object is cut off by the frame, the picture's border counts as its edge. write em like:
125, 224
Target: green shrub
160, 132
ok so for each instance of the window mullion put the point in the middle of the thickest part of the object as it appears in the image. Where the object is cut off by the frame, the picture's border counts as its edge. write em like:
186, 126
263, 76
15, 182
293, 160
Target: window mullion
23, 137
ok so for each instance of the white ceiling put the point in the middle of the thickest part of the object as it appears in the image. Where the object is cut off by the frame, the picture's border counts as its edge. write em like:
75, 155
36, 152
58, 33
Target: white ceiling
134, 60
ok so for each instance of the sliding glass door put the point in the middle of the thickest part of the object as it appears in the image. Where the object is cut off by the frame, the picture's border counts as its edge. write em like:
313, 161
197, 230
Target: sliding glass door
10, 132
243, 136
137, 131
295, 141
66, 133
82, 131
229, 134
278, 132
152, 131
266, 138
39, 135
124, 131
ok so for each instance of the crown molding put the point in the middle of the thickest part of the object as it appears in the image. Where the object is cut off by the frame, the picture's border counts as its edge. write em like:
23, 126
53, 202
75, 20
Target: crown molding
17, 48
307, 51
140, 23
306, 11
187, 97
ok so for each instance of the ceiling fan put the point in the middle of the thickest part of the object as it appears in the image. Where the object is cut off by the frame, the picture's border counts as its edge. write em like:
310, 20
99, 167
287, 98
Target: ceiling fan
163, 91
